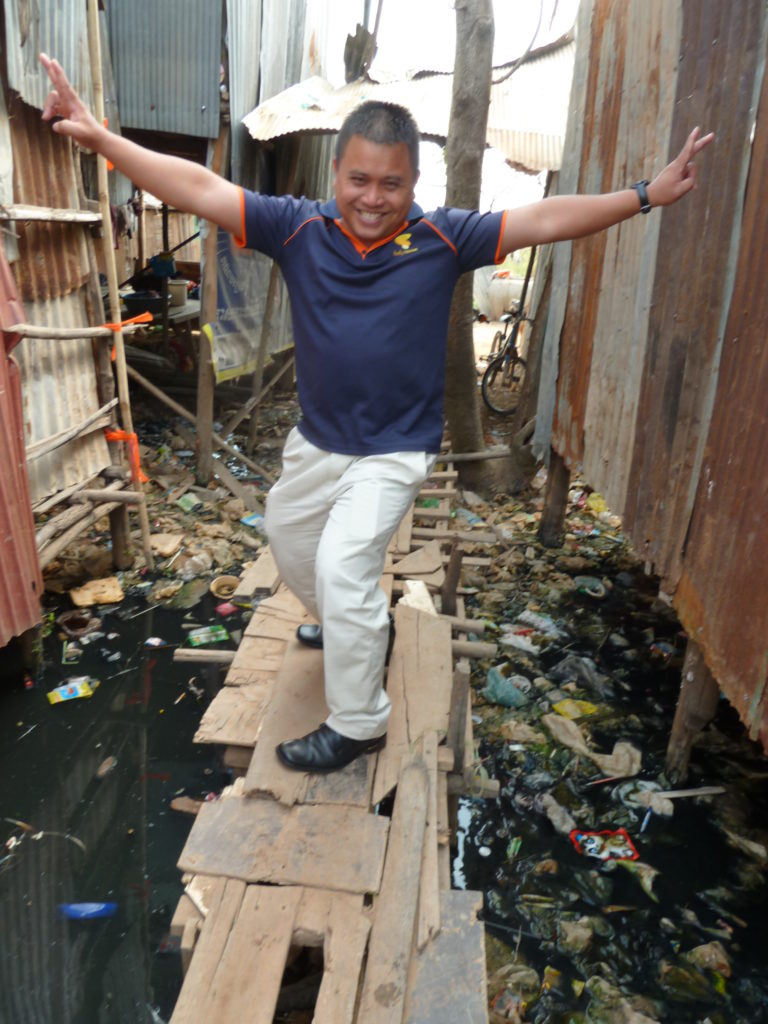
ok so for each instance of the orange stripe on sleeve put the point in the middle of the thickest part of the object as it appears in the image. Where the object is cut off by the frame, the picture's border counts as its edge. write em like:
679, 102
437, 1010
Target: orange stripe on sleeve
441, 235
499, 257
298, 229
240, 239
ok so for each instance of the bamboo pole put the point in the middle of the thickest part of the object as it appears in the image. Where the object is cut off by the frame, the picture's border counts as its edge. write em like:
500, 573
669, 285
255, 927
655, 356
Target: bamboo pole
94, 47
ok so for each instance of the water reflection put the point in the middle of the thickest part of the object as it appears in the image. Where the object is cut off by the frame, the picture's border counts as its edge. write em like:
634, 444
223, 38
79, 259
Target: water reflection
121, 968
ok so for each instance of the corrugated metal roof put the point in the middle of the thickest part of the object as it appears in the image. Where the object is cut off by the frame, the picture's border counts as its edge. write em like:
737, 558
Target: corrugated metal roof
526, 121
58, 29
166, 59
21, 584
656, 328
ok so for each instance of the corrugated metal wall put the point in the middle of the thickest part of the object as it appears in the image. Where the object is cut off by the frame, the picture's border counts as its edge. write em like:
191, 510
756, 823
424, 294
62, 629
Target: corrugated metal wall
654, 365
166, 59
58, 29
54, 276
21, 587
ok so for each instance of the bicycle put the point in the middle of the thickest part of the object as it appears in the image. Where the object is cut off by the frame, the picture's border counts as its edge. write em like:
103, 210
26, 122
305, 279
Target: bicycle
503, 376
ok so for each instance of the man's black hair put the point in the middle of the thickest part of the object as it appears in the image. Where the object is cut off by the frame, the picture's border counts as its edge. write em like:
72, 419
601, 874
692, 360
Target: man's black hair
383, 123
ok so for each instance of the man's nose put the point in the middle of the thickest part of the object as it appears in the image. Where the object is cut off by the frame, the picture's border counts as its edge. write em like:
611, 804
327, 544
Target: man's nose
372, 195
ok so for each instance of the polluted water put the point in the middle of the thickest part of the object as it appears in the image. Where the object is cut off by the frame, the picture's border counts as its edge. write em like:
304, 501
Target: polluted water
88, 876
610, 894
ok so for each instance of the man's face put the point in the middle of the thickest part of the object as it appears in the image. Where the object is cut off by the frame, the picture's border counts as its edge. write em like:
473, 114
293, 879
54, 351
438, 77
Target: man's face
374, 187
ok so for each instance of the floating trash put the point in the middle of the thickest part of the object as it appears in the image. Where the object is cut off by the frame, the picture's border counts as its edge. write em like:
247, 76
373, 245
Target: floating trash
80, 686
607, 845
207, 635
87, 911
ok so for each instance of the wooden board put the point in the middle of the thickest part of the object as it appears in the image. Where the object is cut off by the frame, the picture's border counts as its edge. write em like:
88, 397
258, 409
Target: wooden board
423, 560
246, 981
235, 714
297, 707
262, 578
419, 685
345, 946
429, 896
447, 980
301, 845
401, 542
208, 953
389, 953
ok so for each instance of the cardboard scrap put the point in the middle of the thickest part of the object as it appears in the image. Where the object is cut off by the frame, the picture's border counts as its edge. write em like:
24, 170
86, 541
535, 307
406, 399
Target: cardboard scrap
104, 591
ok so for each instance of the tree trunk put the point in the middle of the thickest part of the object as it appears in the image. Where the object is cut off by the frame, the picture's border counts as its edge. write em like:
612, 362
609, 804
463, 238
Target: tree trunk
464, 159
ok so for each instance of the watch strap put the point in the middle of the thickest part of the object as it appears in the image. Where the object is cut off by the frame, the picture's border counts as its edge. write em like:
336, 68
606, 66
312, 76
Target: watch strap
642, 192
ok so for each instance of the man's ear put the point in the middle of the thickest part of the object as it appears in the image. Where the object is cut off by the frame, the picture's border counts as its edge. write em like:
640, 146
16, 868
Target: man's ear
335, 166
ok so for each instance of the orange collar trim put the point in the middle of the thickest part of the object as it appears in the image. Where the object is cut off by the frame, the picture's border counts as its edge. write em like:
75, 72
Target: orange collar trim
361, 247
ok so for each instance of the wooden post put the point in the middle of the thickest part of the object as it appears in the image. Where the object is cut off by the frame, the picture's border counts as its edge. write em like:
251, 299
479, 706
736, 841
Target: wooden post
208, 314
261, 358
555, 502
451, 583
696, 707
94, 44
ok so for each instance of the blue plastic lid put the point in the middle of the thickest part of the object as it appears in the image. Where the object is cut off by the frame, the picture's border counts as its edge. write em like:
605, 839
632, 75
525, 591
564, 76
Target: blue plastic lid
83, 911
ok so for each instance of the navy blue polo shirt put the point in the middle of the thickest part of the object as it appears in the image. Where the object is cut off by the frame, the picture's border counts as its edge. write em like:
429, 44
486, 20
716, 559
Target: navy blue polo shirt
369, 323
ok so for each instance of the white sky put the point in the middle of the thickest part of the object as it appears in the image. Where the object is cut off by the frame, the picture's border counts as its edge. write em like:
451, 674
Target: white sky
422, 34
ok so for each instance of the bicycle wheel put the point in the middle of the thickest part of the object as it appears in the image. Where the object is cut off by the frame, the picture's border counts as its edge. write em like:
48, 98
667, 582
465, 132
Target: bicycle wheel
501, 383
496, 344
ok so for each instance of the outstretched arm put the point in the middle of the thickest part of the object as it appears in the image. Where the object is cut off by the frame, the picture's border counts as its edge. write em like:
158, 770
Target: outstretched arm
562, 217
182, 184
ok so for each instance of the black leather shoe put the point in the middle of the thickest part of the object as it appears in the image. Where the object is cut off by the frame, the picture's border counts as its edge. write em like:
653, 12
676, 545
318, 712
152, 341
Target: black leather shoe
310, 635
324, 750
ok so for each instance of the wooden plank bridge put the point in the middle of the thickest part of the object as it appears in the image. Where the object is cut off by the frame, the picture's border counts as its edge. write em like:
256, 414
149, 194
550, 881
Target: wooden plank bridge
354, 865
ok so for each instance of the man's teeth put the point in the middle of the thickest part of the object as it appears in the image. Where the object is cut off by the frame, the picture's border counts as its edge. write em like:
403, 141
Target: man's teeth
371, 217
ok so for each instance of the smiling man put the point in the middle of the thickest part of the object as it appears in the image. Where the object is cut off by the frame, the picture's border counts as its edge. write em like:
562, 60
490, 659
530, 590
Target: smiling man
370, 277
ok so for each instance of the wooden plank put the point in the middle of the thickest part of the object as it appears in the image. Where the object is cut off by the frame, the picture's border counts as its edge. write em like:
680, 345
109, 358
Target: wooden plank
284, 600
301, 845
237, 757
297, 707
386, 973
429, 896
443, 835
441, 533
210, 947
401, 542
431, 514
419, 687
194, 903
234, 716
424, 560
313, 918
346, 942
261, 578
247, 981
447, 980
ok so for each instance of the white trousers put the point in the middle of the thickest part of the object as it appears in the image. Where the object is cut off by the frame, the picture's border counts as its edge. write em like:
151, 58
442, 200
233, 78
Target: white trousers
329, 519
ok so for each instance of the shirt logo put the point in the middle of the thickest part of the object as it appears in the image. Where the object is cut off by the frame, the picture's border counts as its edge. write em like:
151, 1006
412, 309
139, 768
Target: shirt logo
403, 245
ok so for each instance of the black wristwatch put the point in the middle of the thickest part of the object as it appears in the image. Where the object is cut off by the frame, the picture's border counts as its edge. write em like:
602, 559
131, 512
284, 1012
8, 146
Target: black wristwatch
642, 192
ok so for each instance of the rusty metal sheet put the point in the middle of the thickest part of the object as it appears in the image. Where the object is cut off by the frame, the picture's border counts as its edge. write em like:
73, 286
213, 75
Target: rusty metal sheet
53, 258
21, 585
58, 28
629, 262
722, 598
526, 120
722, 48
54, 278
602, 115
